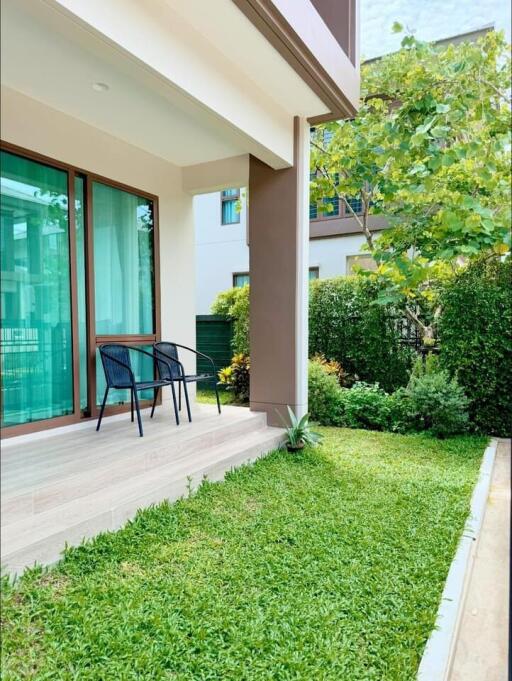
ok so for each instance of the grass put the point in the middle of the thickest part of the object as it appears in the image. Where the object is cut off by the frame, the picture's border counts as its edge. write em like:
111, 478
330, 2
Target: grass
326, 565
208, 397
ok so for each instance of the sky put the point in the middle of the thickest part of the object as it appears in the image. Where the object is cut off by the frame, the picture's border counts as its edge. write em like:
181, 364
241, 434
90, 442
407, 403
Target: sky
429, 19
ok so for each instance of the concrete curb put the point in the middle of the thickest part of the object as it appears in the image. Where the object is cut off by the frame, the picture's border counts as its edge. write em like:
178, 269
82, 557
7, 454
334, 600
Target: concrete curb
438, 656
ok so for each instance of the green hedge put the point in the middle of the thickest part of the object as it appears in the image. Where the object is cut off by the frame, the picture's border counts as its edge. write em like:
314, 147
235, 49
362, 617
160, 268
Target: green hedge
345, 324
474, 333
476, 342
234, 303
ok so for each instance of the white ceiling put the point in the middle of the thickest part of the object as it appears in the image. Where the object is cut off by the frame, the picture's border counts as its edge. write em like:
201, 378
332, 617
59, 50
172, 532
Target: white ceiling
53, 59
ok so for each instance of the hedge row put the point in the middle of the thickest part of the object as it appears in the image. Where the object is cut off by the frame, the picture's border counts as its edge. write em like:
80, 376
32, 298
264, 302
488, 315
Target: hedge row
475, 333
346, 325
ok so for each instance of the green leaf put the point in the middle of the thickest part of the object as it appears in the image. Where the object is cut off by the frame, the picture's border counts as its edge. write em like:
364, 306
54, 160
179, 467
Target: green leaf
397, 27
440, 131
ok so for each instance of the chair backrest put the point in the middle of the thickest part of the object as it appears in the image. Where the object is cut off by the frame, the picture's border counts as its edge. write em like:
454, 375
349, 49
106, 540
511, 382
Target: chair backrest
116, 376
172, 369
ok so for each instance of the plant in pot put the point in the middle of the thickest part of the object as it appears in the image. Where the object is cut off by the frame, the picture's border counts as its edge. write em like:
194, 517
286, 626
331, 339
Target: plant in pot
299, 433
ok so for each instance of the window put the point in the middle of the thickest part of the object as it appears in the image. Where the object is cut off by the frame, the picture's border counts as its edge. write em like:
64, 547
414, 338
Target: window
36, 335
333, 206
123, 267
355, 203
364, 261
240, 279
229, 213
54, 309
123, 262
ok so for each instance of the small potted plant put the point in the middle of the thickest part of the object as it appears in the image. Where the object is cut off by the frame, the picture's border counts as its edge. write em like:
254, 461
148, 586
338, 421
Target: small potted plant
299, 433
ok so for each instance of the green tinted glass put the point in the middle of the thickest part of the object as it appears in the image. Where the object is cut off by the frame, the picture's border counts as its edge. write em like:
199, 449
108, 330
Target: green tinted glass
81, 283
123, 262
143, 370
37, 368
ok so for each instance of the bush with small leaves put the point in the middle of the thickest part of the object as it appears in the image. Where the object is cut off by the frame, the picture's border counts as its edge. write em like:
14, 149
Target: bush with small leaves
435, 402
324, 397
475, 333
365, 406
234, 304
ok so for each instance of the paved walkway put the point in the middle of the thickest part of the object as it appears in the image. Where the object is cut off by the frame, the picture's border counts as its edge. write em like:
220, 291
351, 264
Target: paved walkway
481, 653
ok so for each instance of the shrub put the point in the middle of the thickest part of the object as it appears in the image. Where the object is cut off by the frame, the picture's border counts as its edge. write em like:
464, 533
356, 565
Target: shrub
236, 377
365, 406
234, 303
324, 395
434, 401
346, 325
475, 333
334, 368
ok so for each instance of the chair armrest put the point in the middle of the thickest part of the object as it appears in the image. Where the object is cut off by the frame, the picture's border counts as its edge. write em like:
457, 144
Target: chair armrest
200, 354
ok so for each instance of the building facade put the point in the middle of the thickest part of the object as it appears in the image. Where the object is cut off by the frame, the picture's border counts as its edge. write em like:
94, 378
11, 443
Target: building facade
222, 245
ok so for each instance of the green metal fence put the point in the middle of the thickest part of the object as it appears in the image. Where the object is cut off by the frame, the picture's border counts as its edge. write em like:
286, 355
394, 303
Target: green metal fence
213, 337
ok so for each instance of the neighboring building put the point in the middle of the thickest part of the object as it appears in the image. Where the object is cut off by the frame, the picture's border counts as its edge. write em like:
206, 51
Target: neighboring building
222, 245
222, 248
115, 114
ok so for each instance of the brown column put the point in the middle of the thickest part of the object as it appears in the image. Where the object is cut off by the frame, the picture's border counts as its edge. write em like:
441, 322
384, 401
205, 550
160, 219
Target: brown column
278, 247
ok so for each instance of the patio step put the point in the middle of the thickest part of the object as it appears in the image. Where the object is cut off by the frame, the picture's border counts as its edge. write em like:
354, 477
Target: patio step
41, 537
32, 485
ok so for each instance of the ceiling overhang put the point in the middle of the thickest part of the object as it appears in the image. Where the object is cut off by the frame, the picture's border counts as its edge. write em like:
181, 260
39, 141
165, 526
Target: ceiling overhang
299, 34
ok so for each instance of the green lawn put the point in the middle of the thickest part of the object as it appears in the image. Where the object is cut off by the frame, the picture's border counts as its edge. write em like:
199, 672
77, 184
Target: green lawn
208, 396
326, 565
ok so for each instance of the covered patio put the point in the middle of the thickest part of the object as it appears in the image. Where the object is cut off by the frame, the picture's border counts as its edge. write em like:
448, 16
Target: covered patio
114, 116
72, 483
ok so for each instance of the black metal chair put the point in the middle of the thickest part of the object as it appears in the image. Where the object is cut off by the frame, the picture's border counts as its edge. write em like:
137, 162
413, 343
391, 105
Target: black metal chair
119, 375
176, 372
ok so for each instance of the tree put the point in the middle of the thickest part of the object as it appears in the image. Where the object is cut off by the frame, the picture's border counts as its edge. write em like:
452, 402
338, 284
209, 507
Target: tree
429, 149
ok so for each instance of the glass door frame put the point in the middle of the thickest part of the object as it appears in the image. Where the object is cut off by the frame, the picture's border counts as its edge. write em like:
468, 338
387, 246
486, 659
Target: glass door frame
93, 340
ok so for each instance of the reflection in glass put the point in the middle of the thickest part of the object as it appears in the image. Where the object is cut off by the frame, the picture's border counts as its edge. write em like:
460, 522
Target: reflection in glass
81, 283
123, 262
36, 355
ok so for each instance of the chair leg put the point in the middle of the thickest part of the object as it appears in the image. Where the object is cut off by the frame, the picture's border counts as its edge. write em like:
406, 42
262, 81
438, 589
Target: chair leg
187, 401
179, 396
139, 421
131, 402
154, 402
176, 413
102, 409
217, 396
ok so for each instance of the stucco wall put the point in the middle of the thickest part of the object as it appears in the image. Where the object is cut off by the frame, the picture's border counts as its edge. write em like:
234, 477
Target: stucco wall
222, 250
32, 125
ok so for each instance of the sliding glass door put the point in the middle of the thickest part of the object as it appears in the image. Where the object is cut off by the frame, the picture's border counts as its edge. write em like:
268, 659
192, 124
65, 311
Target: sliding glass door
36, 332
78, 265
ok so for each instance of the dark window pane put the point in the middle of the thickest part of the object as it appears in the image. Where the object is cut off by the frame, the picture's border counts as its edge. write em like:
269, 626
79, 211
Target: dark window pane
240, 280
230, 214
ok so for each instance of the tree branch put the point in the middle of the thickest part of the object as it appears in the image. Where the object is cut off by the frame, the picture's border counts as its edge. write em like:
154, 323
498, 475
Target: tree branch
343, 198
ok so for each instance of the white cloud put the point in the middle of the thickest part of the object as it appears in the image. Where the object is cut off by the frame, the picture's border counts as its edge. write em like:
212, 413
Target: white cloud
430, 19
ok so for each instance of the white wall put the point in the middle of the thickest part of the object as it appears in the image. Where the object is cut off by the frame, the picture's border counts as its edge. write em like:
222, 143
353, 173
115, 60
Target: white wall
330, 254
34, 126
222, 250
